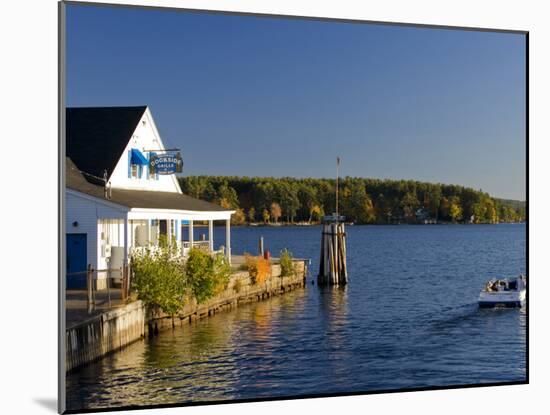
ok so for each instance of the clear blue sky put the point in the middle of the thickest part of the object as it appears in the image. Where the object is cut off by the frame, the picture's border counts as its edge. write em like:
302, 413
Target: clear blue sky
257, 96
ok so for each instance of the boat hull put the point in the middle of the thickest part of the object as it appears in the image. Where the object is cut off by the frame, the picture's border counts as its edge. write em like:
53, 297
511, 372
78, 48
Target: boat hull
502, 299
491, 304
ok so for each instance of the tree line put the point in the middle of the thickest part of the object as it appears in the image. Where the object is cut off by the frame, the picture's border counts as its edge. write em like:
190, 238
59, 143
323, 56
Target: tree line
361, 200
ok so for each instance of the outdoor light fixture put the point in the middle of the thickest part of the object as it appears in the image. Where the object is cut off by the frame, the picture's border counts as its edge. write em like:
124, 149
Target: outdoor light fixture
75, 223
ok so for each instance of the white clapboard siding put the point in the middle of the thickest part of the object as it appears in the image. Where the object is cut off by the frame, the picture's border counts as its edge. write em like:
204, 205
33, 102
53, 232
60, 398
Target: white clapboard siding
87, 211
145, 137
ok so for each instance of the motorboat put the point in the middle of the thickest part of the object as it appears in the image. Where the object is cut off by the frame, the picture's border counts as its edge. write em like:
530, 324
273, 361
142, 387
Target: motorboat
506, 292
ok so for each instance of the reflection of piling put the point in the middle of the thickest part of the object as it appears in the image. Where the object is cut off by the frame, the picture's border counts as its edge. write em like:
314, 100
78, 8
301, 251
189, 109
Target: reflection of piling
333, 268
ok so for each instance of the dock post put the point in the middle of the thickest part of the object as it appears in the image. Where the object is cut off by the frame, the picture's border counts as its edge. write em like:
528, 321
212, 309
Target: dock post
261, 245
89, 283
332, 262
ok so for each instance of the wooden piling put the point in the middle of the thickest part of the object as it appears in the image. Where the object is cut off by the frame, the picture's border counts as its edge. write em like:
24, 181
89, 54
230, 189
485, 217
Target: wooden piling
333, 263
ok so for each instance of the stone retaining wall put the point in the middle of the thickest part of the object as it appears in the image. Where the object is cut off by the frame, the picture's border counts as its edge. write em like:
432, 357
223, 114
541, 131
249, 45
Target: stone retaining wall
111, 331
239, 290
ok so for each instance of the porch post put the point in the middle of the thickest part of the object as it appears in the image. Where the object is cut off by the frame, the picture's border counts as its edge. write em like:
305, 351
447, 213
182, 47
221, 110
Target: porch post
126, 240
228, 239
211, 235
191, 234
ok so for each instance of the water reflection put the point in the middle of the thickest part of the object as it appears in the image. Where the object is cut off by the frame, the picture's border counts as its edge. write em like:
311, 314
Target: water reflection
407, 319
336, 347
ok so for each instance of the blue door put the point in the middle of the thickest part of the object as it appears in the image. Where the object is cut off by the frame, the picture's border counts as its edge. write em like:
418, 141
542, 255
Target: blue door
76, 260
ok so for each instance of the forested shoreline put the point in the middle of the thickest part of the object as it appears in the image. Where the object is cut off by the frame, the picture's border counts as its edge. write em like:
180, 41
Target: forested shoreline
361, 200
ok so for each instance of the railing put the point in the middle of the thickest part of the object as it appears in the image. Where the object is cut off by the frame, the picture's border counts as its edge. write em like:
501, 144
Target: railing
183, 247
196, 244
91, 290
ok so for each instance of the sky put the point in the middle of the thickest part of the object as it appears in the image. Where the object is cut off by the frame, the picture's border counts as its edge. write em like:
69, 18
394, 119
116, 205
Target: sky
267, 96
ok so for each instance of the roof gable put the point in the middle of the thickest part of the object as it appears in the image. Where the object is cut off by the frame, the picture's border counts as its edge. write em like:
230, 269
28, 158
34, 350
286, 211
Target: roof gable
136, 198
97, 136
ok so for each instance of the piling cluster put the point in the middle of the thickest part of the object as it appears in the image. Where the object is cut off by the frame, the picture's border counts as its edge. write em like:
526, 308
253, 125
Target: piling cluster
332, 265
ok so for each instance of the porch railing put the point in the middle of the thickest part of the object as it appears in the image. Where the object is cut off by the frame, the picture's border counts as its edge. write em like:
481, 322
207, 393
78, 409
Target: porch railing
121, 274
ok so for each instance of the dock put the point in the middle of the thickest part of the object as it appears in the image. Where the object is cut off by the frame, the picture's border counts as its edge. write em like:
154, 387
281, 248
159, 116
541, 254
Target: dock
111, 328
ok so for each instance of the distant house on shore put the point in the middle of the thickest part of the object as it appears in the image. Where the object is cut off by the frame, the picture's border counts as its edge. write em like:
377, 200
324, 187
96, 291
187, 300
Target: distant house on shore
119, 195
423, 217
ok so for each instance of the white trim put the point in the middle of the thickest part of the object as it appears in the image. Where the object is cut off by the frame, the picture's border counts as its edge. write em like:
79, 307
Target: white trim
140, 213
211, 235
228, 239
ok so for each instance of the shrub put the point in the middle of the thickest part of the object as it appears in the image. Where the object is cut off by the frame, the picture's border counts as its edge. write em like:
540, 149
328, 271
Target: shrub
287, 264
221, 273
159, 279
237, 285
251, 264
258, 268
206, 275
264, 270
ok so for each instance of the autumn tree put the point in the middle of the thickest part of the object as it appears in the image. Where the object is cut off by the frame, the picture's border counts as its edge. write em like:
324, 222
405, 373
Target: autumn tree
316, 213
238, 218
455, 210
362, 200
275, 211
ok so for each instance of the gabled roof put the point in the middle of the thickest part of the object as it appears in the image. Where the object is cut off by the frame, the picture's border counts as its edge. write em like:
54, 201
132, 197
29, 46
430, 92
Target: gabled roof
97, 136
143, 199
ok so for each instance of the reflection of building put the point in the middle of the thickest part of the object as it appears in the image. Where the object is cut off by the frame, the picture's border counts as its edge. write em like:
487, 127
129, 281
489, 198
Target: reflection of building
113, 200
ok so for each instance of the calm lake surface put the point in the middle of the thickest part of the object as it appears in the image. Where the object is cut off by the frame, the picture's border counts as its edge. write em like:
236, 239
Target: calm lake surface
407, 319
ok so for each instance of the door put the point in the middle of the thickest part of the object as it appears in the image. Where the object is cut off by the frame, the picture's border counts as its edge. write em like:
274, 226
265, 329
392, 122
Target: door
77, 260
163, 229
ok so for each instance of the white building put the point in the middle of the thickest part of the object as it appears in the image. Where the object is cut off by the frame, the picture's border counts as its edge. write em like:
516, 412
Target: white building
114, 202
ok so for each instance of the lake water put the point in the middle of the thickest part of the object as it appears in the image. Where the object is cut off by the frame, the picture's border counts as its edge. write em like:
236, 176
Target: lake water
407, 319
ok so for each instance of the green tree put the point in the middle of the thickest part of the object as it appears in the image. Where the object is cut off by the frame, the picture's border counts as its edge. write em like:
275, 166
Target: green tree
307, 200
265, 215
252, 214
228, 196
395, 199
455, 210
444, 208
409, 204
287, 194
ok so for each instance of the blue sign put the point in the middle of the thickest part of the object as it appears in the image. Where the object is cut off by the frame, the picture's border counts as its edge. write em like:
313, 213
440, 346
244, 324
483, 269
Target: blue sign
168, 163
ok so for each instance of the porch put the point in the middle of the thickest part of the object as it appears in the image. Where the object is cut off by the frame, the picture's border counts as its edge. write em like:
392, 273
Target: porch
118, 238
